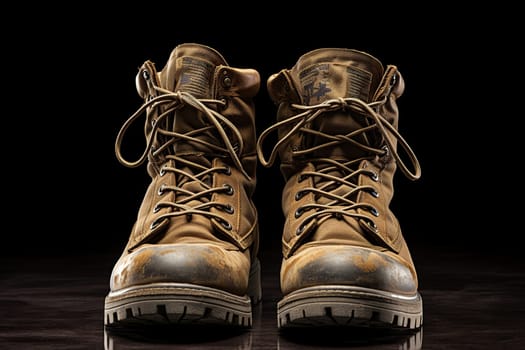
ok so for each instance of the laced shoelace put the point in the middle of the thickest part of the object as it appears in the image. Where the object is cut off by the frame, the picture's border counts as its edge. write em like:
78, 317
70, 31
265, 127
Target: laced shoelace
168, 102
339, 205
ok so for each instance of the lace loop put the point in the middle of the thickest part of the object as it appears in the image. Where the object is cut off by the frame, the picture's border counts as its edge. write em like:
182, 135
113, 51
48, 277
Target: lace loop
309, 113
173, 101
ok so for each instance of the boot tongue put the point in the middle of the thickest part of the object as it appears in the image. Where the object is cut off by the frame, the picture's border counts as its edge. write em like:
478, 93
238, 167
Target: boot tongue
326, 74
334, 73
191, 68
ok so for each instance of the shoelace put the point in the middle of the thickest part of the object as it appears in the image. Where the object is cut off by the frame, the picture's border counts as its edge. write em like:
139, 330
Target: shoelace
170, 102
338, 205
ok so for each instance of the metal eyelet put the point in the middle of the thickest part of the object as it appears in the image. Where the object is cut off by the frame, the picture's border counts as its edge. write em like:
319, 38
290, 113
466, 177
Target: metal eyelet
374, 212
226, 79
300, 229
374, 193
156, 208
160, 192
374, 177
227, 170
154, 224
299, 195
162, 171
229, 189
301, 178
227, 82
226, 225
298, 212
393, 80
229, 209
145, 74
372, 226
386, 151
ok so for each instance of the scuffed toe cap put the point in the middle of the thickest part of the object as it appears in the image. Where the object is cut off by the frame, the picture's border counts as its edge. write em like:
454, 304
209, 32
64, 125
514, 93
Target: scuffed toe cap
204, 265
347, 265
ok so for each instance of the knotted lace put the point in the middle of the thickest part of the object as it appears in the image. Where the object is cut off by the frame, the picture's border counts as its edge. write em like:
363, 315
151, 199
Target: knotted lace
166, 104
329, 170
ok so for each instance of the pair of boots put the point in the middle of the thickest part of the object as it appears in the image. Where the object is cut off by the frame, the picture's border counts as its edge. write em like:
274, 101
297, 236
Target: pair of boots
192, 256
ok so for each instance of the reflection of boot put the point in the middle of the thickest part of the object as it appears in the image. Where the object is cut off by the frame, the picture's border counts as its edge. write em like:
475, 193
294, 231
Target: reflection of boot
345, 259
192, 253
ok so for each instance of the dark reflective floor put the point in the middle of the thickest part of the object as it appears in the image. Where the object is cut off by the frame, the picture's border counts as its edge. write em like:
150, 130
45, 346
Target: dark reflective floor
471, 301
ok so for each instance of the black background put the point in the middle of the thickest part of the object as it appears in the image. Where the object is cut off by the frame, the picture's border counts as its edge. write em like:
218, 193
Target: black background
70, 78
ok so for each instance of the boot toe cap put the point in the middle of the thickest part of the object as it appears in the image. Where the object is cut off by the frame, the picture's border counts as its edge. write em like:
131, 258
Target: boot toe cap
205, 265
347, 265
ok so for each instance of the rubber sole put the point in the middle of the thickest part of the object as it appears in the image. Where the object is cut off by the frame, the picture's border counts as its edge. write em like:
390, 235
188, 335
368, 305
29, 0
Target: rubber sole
168, 303
349, 306
182, 303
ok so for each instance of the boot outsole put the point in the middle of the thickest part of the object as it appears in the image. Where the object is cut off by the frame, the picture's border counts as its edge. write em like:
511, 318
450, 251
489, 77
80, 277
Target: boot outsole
175, 303
349, 306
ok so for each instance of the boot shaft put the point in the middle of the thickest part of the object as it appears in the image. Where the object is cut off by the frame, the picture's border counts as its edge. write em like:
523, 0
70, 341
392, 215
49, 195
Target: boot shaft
337, 125
200, 150
203, 73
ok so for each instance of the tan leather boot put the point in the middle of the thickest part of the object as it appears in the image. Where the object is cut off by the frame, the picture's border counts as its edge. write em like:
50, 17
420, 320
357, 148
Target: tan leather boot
192, 253
345, 261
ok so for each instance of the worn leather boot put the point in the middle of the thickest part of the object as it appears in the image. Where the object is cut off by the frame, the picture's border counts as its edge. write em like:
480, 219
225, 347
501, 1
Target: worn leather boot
345, 261
191, 257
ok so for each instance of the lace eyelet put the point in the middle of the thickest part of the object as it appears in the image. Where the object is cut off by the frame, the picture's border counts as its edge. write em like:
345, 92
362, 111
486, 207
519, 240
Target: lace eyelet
226, 79
156, 208
374, 212
226, 225
145, 75
160, 192
228, 189
154, 224
227, 170
162, 171
299, 195
229, 209
372, 226
298, 213
227, 82
300, 229
374, 193
301, 178
393, 80
374, 177
386, 150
